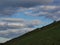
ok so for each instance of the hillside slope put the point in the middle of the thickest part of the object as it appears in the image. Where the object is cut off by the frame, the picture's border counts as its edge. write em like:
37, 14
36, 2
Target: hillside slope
47, 35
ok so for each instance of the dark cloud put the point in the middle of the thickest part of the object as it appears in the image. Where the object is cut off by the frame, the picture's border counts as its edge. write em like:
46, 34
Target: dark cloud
8, 7
22, 3
56, 2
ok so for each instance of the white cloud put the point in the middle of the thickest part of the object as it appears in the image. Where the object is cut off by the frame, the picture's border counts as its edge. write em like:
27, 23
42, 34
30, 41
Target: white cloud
20, 25
12, 19
12, 27
2, 39
49, 7
16, 31
2, 23
49, 11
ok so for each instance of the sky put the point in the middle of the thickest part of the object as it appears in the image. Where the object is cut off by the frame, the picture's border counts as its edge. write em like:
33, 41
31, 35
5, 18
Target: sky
18, 17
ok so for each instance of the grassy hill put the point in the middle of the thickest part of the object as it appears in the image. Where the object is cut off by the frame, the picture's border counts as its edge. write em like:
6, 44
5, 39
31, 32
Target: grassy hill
47, 35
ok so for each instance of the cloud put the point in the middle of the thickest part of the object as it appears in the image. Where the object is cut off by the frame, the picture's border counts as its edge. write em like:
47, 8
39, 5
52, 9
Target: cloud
36, 22
23, 3
12, 27
2, 39
49, 11
5, 26
12, 33
9, 7
49, 7
13, 20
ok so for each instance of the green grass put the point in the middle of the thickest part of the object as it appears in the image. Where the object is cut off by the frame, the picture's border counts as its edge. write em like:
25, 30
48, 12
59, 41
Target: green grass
47, 35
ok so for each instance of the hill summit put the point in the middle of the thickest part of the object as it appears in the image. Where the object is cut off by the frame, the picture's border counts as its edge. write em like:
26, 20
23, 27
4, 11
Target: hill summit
47, 35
